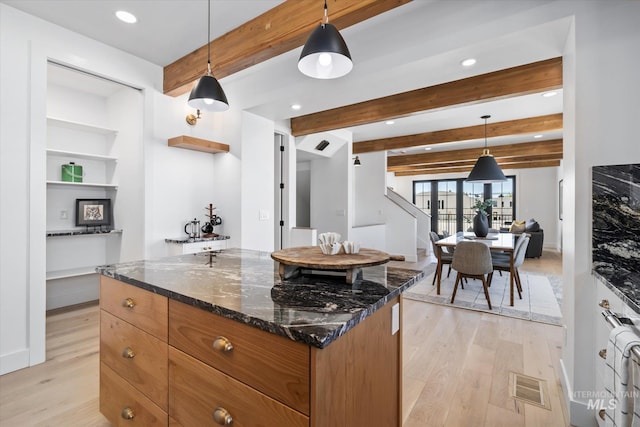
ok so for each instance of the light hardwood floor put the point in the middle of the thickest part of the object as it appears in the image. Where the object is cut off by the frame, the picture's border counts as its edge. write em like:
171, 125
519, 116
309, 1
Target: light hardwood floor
456, 369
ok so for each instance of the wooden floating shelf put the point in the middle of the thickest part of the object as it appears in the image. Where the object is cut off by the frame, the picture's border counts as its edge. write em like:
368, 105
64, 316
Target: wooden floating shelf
197, 144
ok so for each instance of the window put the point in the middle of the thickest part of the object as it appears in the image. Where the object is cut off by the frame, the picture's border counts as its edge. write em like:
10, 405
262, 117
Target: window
454, 200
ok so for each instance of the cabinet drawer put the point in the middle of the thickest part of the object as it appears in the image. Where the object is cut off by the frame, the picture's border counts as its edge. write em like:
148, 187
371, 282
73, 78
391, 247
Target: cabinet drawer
144, 309
138, 357
213, 245
274, 365
116, 395
197, 391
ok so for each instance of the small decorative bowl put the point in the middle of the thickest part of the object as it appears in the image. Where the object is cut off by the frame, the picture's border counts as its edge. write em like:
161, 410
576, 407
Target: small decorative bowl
330, 249
351, 247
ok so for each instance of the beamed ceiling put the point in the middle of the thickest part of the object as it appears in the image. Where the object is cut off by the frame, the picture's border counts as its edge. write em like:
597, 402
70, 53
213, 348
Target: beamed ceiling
256, 41
406, 68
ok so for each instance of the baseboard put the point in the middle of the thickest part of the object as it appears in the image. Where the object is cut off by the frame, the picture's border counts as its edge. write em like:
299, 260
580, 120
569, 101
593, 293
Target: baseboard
579, 414
14, 361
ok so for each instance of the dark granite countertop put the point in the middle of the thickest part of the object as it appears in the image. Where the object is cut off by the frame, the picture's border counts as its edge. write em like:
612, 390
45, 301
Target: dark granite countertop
626, 286
616, 227
81, 232
194, 240
245, 286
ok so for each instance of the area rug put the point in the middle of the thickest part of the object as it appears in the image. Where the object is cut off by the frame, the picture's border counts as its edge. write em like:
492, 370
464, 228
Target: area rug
541, 295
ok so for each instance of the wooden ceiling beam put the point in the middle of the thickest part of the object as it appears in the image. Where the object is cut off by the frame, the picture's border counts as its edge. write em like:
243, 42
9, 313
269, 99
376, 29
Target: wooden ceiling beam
551, 122
522, 80
471, 162
279, 30
500, 151
518, 165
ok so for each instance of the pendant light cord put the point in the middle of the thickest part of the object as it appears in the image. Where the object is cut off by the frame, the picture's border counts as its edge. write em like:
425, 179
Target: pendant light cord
485, 132
485, 117
326, 13
209, 38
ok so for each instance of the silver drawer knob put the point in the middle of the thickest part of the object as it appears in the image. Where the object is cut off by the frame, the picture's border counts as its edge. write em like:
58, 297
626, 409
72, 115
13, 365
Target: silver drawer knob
604, 304
603, 354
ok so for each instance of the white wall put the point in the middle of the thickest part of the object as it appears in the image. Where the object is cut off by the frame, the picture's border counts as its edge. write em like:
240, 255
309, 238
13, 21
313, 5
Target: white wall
600, 129
173, 185
370, 236
369, 189
26, 43
227, 173
330, 192
257, 183
537, 197
181, 182
125, 110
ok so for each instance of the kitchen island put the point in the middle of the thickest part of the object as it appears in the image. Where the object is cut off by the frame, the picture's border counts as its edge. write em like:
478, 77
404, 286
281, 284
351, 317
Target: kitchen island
219, 338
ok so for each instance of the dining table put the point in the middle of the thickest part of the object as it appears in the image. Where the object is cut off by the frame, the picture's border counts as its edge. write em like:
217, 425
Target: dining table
497, 242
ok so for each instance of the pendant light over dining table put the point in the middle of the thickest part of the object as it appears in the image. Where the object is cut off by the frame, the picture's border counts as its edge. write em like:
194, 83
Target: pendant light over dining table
486, 168
207, 94
325, 54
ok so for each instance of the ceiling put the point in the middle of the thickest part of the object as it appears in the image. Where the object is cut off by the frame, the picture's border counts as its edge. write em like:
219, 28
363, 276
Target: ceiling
416, 45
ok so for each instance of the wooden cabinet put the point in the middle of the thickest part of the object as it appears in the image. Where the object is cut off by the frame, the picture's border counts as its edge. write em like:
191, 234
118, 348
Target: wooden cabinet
200, 393
133, 355
273, 365
124, 405
143, 309
215, 369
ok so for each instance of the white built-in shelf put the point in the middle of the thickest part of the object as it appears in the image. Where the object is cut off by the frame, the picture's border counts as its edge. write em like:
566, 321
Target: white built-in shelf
82, 184
71, 272
80, 155
80, 126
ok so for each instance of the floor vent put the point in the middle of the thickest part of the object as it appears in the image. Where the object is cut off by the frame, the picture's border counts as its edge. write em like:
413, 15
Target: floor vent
529, 390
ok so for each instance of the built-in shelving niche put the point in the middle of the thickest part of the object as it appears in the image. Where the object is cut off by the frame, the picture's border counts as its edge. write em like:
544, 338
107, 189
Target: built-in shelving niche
96, 124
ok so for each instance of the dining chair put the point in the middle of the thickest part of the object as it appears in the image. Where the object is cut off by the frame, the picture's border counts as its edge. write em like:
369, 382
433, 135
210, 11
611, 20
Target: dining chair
445, 257
472, 260
503, 263
505, 256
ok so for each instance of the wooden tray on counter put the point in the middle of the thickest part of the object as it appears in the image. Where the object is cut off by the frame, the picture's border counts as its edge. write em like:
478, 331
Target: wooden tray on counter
293, 259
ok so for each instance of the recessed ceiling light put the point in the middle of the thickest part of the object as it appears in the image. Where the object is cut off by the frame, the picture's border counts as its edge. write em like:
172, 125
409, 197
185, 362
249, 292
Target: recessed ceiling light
127, 17
550, 94
389, 122
296, 106
468, 62
537, 136
427, 148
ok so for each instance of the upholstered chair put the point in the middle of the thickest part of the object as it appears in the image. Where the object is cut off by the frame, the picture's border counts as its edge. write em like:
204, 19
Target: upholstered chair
503, 263
445, 257
472, 260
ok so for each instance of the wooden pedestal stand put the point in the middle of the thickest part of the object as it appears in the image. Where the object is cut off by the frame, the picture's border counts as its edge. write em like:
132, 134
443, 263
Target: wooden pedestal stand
293, 259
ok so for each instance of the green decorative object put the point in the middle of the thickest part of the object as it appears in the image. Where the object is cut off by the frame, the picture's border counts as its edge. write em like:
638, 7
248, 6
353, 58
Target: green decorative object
72, 172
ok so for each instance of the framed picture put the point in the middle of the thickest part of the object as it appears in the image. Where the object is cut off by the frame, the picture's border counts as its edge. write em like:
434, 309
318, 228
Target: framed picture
94, 212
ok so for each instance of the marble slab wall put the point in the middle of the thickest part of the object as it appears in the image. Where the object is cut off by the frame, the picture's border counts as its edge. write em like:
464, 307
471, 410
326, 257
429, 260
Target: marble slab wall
616, 226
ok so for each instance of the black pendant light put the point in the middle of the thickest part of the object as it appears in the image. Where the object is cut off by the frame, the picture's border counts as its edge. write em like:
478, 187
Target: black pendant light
486, 169
207, 94
325, 54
